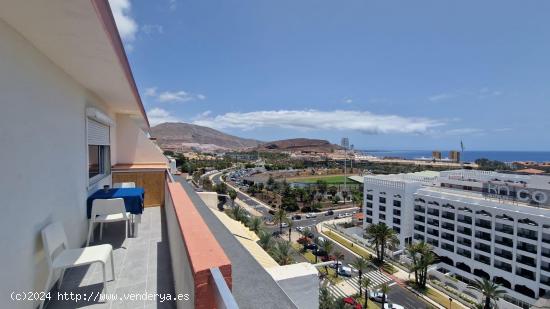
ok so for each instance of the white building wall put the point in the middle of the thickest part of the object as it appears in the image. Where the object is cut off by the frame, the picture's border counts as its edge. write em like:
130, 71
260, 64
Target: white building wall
43, 157
133, 144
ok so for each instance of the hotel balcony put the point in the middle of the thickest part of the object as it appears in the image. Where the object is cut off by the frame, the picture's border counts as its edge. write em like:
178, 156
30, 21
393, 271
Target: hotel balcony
180, 249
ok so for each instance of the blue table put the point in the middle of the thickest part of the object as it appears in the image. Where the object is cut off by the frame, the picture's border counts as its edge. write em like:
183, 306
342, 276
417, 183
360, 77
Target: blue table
133, 199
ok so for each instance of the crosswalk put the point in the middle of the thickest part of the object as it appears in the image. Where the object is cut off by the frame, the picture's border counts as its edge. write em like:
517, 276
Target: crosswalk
350, 286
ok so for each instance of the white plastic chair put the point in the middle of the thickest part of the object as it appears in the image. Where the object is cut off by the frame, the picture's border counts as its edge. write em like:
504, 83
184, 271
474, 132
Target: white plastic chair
60, 257
106, 211
124, 185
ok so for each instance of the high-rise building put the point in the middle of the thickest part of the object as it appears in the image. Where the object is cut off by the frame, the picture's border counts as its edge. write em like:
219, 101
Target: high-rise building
480, 224
436, 155
454, 155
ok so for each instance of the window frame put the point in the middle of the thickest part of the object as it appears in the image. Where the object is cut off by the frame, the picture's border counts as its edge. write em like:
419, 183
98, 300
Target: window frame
104, 154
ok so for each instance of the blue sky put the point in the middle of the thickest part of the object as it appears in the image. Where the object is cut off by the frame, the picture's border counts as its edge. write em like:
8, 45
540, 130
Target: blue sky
387, 74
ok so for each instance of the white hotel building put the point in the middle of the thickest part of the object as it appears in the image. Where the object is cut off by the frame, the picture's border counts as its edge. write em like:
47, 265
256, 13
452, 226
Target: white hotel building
481, 224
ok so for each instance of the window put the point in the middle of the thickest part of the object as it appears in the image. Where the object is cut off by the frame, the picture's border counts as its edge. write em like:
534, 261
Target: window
369, 197
99, 150
397, 212
397, 203
99, 160
369, 205
382, 200
369, 212
381, 216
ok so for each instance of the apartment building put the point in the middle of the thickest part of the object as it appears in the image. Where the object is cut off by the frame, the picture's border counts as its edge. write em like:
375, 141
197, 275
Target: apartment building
486, 225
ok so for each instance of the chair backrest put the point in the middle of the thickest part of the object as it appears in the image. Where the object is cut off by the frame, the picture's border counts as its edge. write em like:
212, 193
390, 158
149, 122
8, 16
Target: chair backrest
55, 240
124, 185
108, 207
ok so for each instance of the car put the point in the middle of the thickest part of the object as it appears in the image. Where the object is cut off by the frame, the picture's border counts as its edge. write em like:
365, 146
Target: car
300, 228
347, 214
345, 271
283, 224
393, 306
320, 239
329, 213
335, 265
340, 216
311, 246
376, 295
311, 215
351, 301
296, 217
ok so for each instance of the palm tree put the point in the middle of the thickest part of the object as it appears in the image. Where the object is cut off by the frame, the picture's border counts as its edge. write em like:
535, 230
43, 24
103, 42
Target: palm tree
384, 288
381, 237
338, 256
282, 252
290, 224
237, 212
489, 289
361, 265
265, 240
280, 218
366, 282
255, 225
422, 257
327, 247
232, 195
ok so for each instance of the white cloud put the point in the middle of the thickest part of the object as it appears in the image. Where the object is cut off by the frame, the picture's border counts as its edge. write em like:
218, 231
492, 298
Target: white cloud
173, 96
347, 100
487, 93
304, 120
441, 97
127, 26
158, 115
465, 131
152, 29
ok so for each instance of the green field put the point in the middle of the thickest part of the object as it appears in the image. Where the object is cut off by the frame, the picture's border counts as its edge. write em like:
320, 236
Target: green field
335, 179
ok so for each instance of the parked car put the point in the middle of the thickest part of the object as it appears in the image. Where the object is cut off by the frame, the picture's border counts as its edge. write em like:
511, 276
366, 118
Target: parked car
296, 217
347, 214
276, 234
300, 228
393, 306
284, 224
376, 295
329, 213
351, 301
340, 216
335, 265
311, 215
311, 246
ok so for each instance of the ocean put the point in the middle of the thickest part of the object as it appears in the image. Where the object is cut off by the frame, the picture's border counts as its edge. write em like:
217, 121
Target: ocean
467, 156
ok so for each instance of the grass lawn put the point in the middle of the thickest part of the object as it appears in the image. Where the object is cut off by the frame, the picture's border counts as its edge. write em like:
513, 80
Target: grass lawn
334, 179
441, 299
358, 250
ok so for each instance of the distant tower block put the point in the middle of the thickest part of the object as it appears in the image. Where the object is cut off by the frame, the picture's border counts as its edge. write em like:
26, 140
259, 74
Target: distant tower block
436, 155
454, 155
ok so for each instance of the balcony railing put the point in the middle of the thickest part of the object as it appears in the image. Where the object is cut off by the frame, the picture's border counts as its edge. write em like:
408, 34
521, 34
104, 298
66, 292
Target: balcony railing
505, 229
504, 266
525, 274
504, 254
484, 224
527, 248
448, 226
463, 219
448, 236
483, 259
504, 241
448, 215
464, 242
526, 261
528, 234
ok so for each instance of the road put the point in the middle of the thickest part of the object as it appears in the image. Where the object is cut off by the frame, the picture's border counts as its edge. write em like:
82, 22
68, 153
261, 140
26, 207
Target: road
397, 294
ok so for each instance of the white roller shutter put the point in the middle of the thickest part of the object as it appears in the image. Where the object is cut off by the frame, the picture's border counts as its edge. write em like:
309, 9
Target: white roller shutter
98, 133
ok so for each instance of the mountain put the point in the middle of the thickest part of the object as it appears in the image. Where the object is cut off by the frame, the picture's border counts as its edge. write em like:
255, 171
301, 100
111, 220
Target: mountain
300, 144
175, 135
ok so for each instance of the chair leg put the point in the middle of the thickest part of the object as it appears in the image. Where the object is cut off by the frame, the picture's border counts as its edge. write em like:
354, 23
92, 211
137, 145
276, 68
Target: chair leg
104, 278
60, 279
90, 232
101, 231
126, 229
113, 265
46, 288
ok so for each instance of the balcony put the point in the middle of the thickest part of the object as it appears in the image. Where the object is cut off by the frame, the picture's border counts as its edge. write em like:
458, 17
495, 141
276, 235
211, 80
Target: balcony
419, 218
503, 254
525, 260
448, 226
527, 247
447, 236
504, 241
168, 257
447, 247
419, 208
483, 259
464, 241
504, 266
483, 247
525, 273
433, 232
448, 215
419, 228
504, 228
433, 212
483, 224
464, 230
465, 253
483, 235
529, 234
464, 219
433, 222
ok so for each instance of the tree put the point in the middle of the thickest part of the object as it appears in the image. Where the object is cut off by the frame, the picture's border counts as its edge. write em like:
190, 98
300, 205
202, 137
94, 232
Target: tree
265, 240
280, 218
345, 195
385, 289
322, 186
255, 225
332, 190
361, 265
207, 184
282, 252
232, 195
237, 212
366, 282
326, 246
270, 183
422, 257
381, 237
290, 224
221, 188
338, 256
326, 301
489, 289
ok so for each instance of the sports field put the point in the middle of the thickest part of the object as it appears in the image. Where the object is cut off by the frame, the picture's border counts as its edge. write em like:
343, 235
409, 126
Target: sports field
331, 179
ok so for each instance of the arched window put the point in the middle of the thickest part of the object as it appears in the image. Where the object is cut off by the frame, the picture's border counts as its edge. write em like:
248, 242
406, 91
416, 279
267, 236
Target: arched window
528, 221
482, 274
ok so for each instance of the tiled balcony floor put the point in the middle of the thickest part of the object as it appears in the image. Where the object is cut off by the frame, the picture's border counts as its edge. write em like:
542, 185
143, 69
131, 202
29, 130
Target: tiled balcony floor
142, 265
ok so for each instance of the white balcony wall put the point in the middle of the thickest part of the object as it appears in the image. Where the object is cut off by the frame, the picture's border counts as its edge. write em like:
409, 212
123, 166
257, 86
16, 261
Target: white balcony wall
43, 157
133, 145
